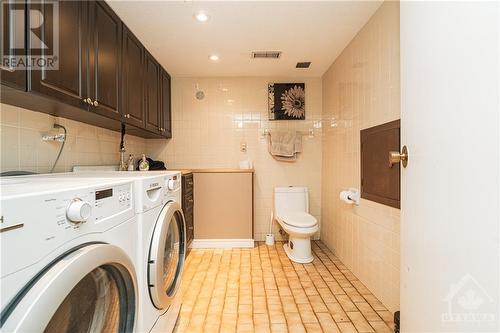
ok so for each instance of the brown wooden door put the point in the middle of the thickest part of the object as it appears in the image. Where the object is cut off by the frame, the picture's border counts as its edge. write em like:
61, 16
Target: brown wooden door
13, 28
68, 83
104, 59
166, 105
152, 94
380, 182
132, 79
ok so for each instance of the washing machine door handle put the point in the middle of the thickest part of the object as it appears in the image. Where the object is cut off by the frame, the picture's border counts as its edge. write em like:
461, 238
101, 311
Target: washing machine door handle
166, 255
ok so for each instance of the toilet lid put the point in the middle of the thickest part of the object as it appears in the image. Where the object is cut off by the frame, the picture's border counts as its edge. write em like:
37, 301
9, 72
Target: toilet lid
299, 219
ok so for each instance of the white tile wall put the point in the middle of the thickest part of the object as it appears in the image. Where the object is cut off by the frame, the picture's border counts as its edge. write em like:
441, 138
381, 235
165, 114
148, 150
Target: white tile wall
360, 90
22, 147
208, 134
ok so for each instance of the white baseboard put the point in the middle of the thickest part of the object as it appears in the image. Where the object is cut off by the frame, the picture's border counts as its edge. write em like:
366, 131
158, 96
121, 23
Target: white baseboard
221, 243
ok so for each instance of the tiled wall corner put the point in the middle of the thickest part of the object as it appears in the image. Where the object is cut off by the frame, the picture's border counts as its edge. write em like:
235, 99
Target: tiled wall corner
360, 90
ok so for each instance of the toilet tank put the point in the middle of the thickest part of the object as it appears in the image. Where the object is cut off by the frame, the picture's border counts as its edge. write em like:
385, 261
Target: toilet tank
291, 199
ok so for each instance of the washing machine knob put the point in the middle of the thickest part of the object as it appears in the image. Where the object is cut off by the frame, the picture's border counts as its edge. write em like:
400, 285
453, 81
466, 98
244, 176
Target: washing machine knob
78, 211
171, 184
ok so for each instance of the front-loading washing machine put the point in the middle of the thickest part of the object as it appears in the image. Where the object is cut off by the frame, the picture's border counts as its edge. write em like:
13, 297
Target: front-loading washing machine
161, 244
67, 255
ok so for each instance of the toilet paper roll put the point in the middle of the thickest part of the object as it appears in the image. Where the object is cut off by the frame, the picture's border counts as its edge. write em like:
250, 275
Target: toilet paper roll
344, 196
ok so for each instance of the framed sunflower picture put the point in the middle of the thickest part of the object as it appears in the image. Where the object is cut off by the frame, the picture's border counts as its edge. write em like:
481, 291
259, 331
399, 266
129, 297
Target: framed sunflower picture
287, 101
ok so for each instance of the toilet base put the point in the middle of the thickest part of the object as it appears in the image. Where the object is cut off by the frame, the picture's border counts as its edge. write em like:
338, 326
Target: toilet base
301, 251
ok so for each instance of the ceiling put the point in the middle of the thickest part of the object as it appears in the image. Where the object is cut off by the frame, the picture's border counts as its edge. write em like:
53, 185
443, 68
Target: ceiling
302, 30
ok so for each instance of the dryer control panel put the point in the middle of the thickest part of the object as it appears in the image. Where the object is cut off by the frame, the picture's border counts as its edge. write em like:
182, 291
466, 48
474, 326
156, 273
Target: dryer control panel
35, 224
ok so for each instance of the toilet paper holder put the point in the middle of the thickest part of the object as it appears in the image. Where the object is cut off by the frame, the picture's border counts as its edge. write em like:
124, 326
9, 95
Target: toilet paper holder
351, 196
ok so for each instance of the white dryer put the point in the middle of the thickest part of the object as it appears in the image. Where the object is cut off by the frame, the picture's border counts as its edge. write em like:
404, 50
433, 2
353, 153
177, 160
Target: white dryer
67, 249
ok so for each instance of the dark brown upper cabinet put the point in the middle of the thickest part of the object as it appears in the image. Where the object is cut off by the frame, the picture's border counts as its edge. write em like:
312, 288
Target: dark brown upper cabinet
152, 94
132, 79
69, 82
104, 75
166, 105
105, 60
12, 30
380, 182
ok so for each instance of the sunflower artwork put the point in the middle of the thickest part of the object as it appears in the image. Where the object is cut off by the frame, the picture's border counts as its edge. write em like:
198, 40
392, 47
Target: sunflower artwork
287, 101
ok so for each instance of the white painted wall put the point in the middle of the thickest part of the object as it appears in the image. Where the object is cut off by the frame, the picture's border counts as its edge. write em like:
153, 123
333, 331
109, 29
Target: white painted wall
450, 190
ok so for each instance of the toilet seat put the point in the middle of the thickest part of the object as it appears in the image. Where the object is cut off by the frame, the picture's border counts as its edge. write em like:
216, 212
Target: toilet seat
298, 219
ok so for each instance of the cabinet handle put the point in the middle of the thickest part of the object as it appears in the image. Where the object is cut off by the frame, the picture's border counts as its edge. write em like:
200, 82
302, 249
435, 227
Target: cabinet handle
127, 115
89, 101
96, 103
8, 69
190, 200
190, 228
190, 183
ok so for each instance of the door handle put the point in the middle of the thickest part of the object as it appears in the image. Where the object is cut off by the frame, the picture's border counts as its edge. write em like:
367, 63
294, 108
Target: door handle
395, 157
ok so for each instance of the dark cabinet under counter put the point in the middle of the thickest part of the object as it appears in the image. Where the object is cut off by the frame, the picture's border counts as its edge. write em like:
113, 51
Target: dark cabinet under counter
188, 205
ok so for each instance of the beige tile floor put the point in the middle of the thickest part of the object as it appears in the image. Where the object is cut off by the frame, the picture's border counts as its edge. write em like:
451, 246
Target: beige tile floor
261, 290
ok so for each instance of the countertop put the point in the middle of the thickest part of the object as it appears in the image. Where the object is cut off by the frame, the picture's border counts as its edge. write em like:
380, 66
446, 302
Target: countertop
188, 171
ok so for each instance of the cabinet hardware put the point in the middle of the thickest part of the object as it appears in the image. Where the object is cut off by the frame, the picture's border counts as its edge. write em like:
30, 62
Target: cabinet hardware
89, 101
127, 115
96, 103
190, 200
8, 69
190, 228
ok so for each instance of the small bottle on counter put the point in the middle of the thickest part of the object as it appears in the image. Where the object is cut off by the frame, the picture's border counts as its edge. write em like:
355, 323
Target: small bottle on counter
143, 164
131, 163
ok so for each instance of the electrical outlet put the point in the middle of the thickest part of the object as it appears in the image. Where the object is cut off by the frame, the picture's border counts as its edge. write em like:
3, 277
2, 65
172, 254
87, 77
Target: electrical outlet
243, 147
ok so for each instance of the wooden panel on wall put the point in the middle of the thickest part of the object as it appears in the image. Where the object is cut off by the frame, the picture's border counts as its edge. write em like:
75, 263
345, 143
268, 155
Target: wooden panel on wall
379, 181
223, 206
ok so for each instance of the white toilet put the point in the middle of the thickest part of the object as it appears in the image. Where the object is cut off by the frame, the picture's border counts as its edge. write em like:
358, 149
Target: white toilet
291, 210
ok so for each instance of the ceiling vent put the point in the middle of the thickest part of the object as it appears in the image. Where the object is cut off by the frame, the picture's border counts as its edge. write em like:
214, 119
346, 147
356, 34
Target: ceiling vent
266, 54
305, 64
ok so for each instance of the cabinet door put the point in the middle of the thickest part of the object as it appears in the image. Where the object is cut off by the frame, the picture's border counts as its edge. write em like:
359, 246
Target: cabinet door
152, 94
132, 79
13, 30
166, 105
104, 59
68, 83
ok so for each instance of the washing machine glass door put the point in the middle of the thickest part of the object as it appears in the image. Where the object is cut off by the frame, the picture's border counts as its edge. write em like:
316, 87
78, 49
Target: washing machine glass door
166, 255
91, 289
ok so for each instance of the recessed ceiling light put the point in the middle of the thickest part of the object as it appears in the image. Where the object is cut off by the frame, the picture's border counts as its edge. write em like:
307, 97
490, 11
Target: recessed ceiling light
213, 57
201, 17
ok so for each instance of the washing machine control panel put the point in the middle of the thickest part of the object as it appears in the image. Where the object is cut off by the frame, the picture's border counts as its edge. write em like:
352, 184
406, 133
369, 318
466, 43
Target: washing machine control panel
78, 211
35, 225
111, 201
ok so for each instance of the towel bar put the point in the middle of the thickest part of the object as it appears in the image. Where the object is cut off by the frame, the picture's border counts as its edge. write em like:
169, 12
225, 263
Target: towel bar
309, 133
